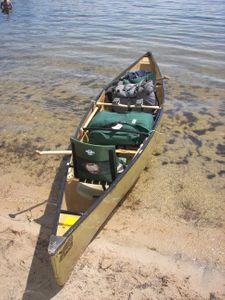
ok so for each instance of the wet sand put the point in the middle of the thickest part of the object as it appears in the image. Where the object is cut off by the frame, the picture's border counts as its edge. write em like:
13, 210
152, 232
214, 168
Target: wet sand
166, 240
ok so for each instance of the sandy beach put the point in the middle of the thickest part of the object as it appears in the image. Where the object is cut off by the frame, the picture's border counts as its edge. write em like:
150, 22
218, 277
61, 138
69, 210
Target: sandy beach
165, 241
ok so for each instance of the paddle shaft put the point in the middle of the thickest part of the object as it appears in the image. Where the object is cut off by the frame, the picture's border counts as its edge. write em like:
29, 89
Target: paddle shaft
52, 152
69, 152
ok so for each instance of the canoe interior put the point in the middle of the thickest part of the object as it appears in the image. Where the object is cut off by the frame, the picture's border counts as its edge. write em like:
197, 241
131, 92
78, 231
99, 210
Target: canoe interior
78, 197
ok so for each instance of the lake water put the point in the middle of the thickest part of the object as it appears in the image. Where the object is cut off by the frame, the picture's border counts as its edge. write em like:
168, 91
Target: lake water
94, 39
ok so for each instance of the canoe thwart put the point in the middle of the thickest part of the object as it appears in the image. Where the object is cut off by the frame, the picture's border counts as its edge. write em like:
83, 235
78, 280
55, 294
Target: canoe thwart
125, 105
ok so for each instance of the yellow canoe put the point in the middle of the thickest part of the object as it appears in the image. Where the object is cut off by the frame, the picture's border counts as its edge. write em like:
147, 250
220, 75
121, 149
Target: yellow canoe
84, 207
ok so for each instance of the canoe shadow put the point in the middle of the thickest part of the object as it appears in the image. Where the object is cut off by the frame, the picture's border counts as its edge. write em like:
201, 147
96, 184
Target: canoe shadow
41, 283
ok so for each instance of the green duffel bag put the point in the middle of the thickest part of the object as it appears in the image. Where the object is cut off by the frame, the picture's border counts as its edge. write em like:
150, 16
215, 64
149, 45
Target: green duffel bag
111, 128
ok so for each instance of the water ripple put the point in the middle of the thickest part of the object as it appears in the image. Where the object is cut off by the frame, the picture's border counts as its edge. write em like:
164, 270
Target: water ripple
185, 35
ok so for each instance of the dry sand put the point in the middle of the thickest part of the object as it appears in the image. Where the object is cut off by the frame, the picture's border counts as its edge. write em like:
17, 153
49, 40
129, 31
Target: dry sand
166, 241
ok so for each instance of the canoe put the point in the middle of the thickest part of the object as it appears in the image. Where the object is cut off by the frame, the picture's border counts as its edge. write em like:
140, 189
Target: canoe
89, 196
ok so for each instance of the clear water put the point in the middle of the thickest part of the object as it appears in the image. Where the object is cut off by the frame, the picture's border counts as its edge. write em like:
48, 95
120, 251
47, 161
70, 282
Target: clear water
96, 39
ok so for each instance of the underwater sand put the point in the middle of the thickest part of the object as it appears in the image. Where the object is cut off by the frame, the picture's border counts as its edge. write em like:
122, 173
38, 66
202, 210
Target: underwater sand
166, 241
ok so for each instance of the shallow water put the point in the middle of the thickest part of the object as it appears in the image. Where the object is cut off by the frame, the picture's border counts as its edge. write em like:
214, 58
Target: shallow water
56, 56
